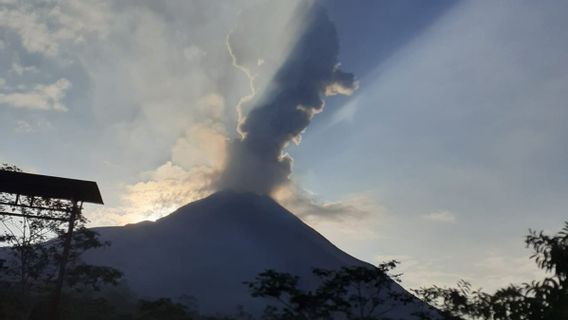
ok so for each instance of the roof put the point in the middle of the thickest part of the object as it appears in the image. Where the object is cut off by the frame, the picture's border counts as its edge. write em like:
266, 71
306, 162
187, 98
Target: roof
28, 184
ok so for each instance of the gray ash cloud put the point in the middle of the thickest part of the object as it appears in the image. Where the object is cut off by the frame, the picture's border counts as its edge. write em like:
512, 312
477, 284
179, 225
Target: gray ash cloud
257, 162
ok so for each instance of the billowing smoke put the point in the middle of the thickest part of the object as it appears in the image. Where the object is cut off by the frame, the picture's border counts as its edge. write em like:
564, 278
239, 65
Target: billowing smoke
257, 161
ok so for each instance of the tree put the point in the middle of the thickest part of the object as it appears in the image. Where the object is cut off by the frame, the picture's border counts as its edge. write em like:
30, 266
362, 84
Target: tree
162, 309
79, 274
357, 292
35, 248
537, 300
26, 236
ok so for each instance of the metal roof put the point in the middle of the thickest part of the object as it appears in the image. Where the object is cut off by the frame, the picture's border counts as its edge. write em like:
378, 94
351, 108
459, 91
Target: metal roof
28, 184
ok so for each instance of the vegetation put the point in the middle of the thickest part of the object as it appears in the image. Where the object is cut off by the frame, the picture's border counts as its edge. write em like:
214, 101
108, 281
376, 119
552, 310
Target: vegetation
537, 300
358, 292
33, 251
367, 293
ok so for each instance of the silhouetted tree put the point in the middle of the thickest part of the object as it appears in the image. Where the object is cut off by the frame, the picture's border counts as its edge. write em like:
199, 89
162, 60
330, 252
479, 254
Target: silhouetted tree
35, 245
537, 300
162, 309
358, 292
25, 238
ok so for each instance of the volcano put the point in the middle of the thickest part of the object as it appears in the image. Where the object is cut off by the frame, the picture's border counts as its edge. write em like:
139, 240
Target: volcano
206, 249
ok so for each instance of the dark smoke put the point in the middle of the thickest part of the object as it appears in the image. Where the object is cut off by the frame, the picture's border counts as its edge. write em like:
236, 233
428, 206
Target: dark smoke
257, 162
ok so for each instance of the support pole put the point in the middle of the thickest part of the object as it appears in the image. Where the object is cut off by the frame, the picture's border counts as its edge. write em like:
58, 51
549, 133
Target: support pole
63, 264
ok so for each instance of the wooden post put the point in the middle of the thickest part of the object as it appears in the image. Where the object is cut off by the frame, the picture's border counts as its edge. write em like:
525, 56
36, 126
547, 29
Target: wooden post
63, 264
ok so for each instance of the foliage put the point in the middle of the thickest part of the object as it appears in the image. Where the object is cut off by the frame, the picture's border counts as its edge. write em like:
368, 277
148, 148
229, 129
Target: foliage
162, 309
551, 253
35, 250
537, 300
80, 275
26, 237
357, 292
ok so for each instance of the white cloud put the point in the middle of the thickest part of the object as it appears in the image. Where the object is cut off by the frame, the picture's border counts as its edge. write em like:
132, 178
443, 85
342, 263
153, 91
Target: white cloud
35, 36
31, 126
23, 126
201, 145
440, 216
44, 29
41, 97
20, 69
167, 188
423, 272
196, 160
501, 268
80, 19
489, 271
193, 52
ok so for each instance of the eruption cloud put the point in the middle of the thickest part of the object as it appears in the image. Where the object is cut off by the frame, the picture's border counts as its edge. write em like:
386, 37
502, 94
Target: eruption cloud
257, 160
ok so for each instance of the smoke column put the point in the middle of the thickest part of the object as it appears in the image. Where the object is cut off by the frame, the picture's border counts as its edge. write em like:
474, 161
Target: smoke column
257, 161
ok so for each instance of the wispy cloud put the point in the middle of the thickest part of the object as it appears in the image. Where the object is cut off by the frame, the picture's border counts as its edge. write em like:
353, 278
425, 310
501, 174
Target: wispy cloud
309, 206
440, 216
40, 97
489, 270
166, 189
20, 69
43, 29
31, 126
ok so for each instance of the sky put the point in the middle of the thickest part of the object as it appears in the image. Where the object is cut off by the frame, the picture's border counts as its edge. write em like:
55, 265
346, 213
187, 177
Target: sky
447, 150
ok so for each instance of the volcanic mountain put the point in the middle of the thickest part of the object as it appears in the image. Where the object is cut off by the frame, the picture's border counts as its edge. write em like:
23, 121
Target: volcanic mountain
206, 249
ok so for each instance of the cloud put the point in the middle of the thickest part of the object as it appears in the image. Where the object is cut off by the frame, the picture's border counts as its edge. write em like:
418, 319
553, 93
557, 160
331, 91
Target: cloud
193, 52
35, 125
201, 145
197, 157
43, 29
489, 271
20, 69
158, 80
35, 35
196, 161
357, 223
307, 206
440, 216
258, 162
23, 126
417, 273
166, 189
169, 187
155, 85
499, 268
40, 97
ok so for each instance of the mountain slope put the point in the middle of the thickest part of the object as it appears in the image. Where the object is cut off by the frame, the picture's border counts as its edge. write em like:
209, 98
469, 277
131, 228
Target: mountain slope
206, 249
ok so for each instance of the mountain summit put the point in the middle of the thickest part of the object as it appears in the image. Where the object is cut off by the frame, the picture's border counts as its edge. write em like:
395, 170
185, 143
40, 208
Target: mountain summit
206, 249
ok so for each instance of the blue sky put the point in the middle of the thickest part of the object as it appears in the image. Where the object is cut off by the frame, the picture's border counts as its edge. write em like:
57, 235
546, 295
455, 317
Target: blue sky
451, 148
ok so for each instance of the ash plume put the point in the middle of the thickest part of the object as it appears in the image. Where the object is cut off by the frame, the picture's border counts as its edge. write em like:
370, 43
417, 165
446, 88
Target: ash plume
257, 161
